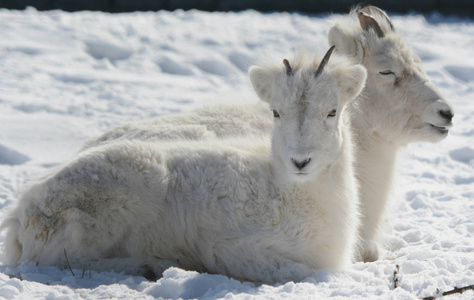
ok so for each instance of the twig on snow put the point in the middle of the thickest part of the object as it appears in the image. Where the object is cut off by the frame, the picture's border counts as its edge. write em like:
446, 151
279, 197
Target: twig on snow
396, 281
67, 260
84, 270
456, 290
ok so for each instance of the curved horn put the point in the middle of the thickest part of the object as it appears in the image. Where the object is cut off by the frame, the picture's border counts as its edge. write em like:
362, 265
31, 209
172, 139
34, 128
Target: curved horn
367, 20
289, 71
324, 61
370, 10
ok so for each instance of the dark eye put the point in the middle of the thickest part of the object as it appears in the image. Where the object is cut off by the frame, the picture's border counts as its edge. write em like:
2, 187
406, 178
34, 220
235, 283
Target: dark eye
332, 113
276, 114
386, 72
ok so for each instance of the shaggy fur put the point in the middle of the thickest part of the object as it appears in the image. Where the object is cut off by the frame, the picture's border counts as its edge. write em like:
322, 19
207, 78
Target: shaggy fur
204, 123
240, 207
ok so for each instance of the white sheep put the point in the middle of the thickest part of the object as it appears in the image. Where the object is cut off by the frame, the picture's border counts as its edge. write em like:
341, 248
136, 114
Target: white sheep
399, 105
255, 209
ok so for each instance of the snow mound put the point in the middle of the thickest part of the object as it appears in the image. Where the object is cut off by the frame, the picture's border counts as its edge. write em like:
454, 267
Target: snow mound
177, 283
171, 65
216, 66
11, 157
464, 154
241, 60
107, 47
464, 73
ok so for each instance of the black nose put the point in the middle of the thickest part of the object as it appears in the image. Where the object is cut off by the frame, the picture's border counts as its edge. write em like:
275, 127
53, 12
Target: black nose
446, 114
301, 164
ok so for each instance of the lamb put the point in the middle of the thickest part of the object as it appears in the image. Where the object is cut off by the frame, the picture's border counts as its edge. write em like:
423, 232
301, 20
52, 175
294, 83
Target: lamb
399, 105
258, 209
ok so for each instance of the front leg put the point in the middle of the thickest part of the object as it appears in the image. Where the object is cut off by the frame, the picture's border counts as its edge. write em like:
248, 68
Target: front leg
368, 250
374, 168
251, 261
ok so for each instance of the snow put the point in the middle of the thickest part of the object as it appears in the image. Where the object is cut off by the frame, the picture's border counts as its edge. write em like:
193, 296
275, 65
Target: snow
65, 77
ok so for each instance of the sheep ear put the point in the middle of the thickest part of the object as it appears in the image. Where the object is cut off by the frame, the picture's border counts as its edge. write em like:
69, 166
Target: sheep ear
262, 82
351, 81
345, 42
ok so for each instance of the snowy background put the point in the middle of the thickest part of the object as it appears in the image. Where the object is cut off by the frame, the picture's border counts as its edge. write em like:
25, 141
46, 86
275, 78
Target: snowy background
65, 77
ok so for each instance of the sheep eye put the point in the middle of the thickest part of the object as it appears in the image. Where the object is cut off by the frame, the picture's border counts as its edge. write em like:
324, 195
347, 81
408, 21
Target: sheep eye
332, 113
386, 72
276, 114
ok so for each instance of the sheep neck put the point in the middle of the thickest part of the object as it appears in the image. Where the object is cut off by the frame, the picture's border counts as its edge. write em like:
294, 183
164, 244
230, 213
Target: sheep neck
374, 166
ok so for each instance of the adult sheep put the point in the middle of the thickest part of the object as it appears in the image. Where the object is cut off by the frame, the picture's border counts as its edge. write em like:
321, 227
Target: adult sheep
254, 209
399, 105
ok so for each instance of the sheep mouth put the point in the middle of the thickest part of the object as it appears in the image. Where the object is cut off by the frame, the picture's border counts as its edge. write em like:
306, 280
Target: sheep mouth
440, 129
299, 175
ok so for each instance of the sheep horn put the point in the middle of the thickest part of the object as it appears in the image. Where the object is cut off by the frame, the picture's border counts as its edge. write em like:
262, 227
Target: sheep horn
367, 21
370, 10
289, 71
324, 61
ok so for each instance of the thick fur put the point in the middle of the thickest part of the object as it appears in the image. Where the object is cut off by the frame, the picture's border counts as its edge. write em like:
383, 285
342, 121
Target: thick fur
235, 206
393, 110
204, 123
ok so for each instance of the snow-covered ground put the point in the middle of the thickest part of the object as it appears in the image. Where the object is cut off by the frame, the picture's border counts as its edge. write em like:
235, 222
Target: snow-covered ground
65, 77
